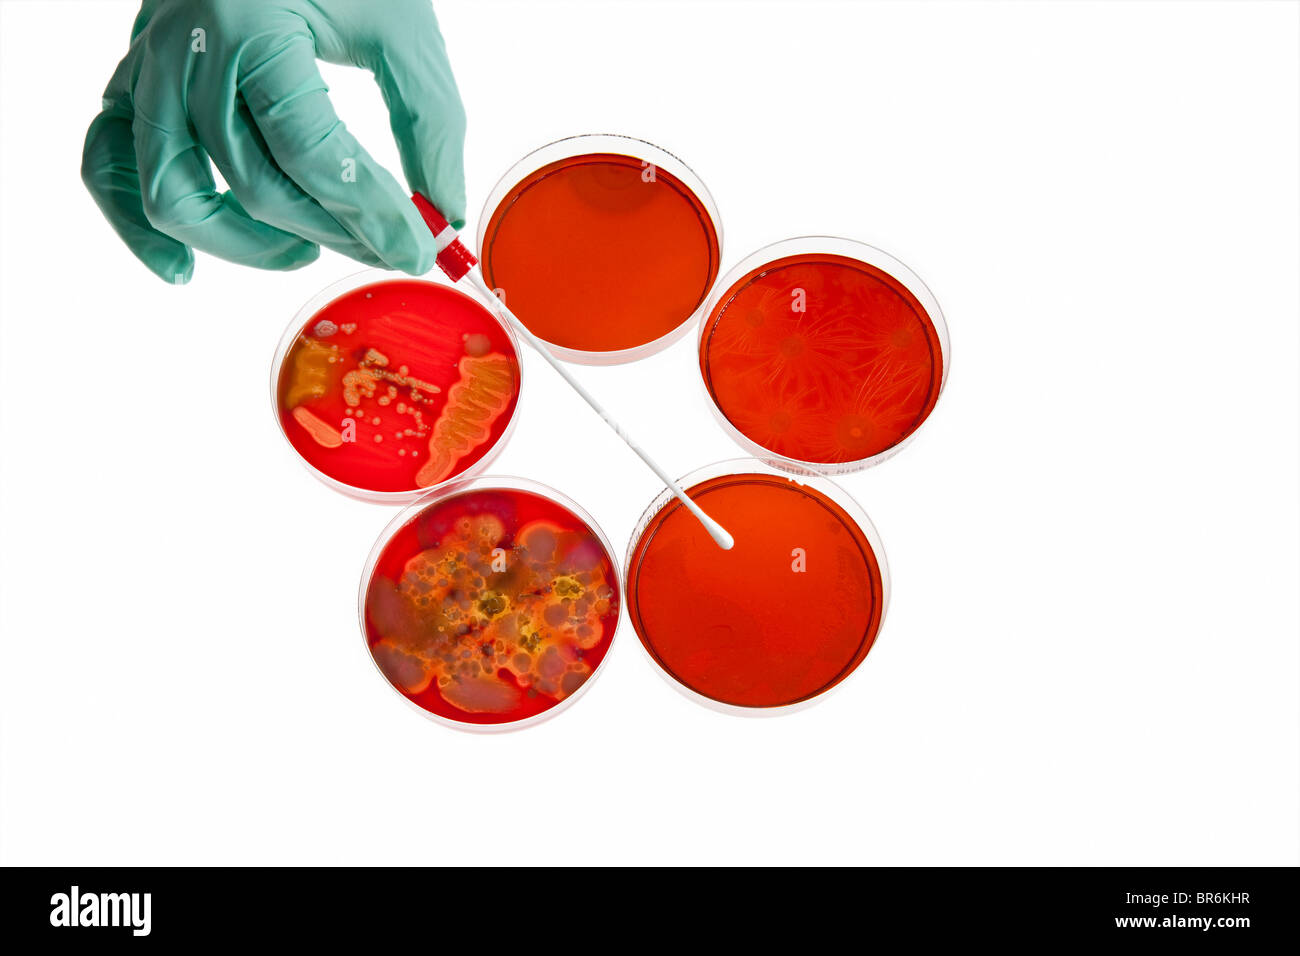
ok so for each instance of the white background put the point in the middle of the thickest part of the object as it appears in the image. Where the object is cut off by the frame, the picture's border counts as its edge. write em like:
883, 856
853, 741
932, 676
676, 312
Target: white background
1091, 654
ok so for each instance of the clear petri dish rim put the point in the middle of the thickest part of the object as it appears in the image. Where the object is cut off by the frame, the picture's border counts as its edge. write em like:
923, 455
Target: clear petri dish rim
451, 489
323, 298
622, 145
831, 245
770, 467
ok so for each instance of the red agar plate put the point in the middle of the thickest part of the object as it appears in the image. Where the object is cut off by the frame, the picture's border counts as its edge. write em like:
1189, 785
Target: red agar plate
826, 352
604, 246
778, 620
491, 603
386, 387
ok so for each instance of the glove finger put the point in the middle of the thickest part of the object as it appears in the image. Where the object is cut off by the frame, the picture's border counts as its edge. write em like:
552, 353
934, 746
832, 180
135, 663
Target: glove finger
425, 112
290, 104
181, 200
108, 168
405, 51
234, 144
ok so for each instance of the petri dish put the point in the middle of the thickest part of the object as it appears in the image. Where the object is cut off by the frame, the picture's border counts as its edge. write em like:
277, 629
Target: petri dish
780, 619
824, 352
491, 603
604, 246
386, 387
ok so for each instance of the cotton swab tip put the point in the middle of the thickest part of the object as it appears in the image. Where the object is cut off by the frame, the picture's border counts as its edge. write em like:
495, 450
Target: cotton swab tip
720, 535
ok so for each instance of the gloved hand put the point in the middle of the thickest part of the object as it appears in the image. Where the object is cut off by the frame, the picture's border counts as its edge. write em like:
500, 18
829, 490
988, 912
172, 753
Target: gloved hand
236, 81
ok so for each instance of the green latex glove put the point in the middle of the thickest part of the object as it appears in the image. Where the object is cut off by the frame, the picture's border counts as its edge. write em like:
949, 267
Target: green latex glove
236, 81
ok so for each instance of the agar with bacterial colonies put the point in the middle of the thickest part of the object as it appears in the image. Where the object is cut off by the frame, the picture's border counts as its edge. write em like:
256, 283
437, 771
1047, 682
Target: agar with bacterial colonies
822, 358
397, 386
491, 606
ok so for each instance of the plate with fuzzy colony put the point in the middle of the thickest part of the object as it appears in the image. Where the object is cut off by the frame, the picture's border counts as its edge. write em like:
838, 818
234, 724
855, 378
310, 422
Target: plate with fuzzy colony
825, 352
491, 603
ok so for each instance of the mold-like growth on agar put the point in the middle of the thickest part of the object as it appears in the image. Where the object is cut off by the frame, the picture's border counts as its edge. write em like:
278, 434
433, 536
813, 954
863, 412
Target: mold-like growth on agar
467, 637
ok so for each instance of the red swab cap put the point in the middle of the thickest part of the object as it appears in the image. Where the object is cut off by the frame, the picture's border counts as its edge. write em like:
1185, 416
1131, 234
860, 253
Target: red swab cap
453, 258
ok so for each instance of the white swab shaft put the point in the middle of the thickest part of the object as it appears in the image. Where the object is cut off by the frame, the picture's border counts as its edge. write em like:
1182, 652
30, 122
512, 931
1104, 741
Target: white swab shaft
718, 533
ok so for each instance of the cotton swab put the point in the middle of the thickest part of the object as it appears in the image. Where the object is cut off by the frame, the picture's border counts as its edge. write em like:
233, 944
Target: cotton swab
458, 262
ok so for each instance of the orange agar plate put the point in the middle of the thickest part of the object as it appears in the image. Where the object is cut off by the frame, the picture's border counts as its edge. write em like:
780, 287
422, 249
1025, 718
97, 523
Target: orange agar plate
603, 246
782, 617
824, 352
